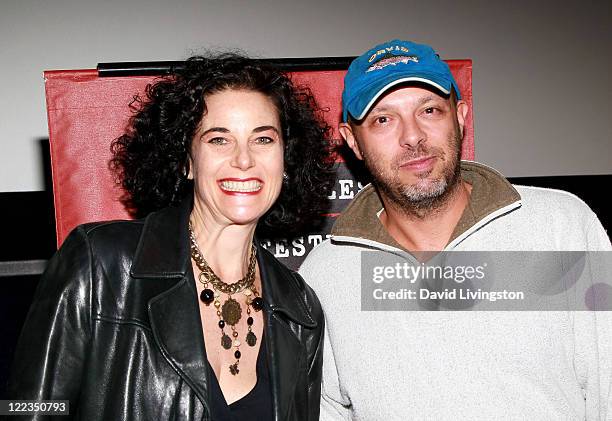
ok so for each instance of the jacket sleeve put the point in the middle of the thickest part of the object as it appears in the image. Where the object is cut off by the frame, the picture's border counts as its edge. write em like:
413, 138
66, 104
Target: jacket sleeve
50, 354
315, 353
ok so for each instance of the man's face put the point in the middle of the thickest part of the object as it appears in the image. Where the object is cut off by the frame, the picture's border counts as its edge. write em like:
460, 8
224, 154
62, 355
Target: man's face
410, 142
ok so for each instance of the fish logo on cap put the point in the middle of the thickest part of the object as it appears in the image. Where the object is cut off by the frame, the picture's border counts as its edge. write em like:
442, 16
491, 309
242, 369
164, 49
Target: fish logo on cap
392, 60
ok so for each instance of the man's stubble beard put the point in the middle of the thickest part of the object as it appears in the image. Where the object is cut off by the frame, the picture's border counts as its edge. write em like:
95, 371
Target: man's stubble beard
425, 195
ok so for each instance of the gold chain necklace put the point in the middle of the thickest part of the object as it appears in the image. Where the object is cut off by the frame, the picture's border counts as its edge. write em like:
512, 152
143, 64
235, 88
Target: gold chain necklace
230, 312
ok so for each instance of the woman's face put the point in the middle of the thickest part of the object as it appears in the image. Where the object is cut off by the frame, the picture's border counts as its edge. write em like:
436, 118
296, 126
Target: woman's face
237, 157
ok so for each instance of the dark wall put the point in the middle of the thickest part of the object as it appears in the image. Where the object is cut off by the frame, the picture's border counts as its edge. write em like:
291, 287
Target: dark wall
28, 228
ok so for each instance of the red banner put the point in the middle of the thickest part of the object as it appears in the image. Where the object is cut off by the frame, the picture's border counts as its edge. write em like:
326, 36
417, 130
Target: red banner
87, 112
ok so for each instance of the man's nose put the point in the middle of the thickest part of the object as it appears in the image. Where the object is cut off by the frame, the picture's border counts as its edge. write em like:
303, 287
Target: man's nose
412, 133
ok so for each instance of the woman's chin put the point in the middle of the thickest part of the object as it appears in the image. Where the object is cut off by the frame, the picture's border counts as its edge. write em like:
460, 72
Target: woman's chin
245, 210
245, 217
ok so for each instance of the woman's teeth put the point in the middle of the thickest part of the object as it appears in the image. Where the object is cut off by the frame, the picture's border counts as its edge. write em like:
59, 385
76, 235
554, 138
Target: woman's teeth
241, 186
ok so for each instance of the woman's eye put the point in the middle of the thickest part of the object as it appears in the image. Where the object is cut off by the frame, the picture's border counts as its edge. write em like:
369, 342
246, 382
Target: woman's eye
381, 119
217, 141
264, 140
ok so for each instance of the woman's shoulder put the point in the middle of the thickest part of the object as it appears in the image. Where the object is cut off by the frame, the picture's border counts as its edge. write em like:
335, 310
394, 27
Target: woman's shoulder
102, 245
111, 236
86, 253
105, 231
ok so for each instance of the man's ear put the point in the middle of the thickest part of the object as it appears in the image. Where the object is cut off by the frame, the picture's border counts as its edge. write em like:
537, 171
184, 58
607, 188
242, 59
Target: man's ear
346, 131
462, 110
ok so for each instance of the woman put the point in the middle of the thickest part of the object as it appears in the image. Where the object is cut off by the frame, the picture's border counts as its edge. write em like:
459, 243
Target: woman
182, 315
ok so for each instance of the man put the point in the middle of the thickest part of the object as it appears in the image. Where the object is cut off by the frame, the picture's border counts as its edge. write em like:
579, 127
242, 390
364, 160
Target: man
404, 117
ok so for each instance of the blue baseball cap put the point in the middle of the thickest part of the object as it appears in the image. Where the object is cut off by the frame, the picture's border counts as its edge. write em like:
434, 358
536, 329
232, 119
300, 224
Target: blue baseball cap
387, 65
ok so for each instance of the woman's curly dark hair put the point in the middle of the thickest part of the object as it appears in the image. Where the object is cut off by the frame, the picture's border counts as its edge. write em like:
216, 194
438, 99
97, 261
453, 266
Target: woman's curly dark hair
150, 160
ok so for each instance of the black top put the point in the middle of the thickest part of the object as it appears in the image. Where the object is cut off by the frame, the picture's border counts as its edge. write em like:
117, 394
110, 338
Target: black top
255, 405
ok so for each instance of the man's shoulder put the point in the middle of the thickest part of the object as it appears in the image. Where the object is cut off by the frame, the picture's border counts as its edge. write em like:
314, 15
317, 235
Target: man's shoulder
545, 192
531, 197
552, 201
553, 219
321, 253
329, 258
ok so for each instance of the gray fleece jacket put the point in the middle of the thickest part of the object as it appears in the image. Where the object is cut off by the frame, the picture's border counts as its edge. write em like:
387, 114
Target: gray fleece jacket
444, 365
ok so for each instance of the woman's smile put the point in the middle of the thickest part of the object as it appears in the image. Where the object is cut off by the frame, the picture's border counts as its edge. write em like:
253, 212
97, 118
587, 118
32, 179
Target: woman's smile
236, 186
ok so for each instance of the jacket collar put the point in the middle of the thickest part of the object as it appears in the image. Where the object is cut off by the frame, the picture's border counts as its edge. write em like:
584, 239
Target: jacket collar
281, 291
163, 249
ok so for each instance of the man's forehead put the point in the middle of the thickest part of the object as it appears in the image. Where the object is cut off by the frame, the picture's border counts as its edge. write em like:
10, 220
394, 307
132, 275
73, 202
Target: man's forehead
412, 93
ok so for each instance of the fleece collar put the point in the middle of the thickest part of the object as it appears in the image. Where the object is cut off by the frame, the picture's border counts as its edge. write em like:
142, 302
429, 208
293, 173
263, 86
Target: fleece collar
490, 192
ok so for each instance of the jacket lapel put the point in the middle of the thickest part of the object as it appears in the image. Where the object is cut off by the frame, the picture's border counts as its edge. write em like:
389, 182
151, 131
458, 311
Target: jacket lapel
284, 358
178, 333
162, 257
286, 316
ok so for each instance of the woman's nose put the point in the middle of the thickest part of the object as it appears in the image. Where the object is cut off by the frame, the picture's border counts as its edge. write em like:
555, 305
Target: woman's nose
243, 157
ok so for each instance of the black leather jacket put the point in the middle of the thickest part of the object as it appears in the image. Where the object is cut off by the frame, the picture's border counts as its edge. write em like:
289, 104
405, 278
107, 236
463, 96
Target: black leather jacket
115, 328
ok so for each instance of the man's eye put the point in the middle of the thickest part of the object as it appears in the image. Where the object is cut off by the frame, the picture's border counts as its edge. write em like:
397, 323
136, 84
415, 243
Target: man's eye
432, 110
381, 120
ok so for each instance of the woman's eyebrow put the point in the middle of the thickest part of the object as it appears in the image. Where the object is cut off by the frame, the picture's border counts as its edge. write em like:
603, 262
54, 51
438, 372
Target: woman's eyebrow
215, 129
264, 128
